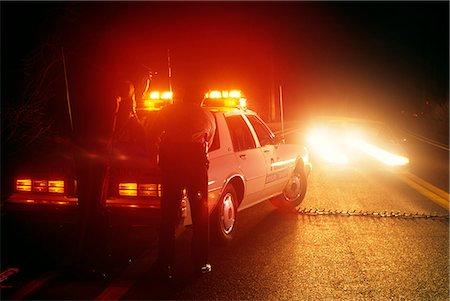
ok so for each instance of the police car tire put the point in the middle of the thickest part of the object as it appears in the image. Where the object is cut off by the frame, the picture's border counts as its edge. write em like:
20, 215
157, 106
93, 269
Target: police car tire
223, 221
285, 202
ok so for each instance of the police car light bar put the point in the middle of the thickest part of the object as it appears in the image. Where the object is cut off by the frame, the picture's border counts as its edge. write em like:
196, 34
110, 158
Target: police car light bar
161, 95
223, 94
225, 99
156, 100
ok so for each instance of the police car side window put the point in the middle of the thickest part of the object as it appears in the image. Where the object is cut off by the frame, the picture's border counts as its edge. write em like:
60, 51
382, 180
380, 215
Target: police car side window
240, 133
216, 141
264, 135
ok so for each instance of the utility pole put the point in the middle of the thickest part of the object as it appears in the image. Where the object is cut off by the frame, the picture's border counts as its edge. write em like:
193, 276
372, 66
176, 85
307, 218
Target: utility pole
281, 111
169, 70
272, 107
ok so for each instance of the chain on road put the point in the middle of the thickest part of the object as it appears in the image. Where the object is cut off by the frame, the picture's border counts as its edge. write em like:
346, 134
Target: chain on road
374, 214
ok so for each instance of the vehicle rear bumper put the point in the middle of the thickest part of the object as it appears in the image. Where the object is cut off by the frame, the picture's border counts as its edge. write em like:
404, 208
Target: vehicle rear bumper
48, 209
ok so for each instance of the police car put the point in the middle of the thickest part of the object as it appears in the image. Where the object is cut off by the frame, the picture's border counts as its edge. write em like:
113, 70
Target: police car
248, 164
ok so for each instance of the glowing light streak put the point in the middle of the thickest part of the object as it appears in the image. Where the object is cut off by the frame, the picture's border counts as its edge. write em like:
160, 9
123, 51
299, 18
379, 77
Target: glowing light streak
381, 155
281, 163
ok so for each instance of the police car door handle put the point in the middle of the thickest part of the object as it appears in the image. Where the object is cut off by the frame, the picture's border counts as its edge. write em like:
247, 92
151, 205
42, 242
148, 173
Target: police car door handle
243, 156
267, 151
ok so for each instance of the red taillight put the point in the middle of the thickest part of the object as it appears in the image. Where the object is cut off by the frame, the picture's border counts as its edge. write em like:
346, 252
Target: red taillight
56, 186
143, 190
40, 186
150, 190
23, 185
128, 189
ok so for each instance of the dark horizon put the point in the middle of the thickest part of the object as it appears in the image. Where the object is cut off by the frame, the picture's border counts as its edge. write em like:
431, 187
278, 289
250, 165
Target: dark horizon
328, 56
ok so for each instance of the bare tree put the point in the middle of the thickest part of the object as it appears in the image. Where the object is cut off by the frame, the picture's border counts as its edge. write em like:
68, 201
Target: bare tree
30, 116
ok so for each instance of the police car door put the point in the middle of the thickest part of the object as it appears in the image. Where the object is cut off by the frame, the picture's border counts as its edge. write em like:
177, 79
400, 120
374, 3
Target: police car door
269, 147
249, 158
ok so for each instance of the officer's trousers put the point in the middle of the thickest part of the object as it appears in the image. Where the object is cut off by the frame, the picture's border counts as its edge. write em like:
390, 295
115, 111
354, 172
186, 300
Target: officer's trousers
191, 175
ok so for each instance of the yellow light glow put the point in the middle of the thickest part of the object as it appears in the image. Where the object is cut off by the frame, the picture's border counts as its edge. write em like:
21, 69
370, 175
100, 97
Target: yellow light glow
225, 99
230, 102
154, 95
243, 102
23, 185
156, 104
56, 186
235, 94
319, 142
215, 94
167, 95
149, 103
128, 189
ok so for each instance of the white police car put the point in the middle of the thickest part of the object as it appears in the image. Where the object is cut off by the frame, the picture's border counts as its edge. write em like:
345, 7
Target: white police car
248, 165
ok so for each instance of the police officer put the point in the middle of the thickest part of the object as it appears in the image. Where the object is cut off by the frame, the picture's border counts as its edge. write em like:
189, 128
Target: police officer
186, 130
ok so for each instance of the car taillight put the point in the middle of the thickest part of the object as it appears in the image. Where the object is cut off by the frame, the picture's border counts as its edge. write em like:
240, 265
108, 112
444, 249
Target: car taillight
56, 186
128, 189
40, 186
23, 185
135, 189
150, 190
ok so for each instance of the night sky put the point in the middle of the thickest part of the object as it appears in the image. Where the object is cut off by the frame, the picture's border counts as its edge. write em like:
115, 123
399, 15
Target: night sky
342, 57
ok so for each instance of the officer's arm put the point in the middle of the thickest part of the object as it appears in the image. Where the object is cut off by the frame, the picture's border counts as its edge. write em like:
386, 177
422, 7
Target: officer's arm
155, 131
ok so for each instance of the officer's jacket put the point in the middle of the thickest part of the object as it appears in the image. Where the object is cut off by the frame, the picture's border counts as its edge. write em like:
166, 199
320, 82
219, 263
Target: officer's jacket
184, 123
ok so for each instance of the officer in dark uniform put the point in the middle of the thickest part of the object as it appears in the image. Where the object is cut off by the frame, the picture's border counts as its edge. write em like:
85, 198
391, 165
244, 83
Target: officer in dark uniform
185, 130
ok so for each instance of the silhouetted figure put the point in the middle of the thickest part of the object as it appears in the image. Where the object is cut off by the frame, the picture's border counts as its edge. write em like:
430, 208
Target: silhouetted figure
186, 131
91, 252
93, 141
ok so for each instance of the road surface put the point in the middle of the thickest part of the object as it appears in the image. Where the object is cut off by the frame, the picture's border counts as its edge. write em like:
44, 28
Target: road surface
361, 234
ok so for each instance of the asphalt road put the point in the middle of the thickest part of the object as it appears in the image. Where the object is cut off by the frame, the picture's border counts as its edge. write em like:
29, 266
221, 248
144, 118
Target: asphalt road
276, 255
362, 233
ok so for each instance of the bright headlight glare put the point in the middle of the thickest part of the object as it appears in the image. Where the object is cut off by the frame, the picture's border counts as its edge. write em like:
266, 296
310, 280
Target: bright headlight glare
320, 143
382, 155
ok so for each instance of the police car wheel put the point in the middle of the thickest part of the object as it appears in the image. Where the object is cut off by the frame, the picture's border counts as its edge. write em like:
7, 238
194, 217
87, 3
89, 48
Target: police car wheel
224, 217
294, 191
